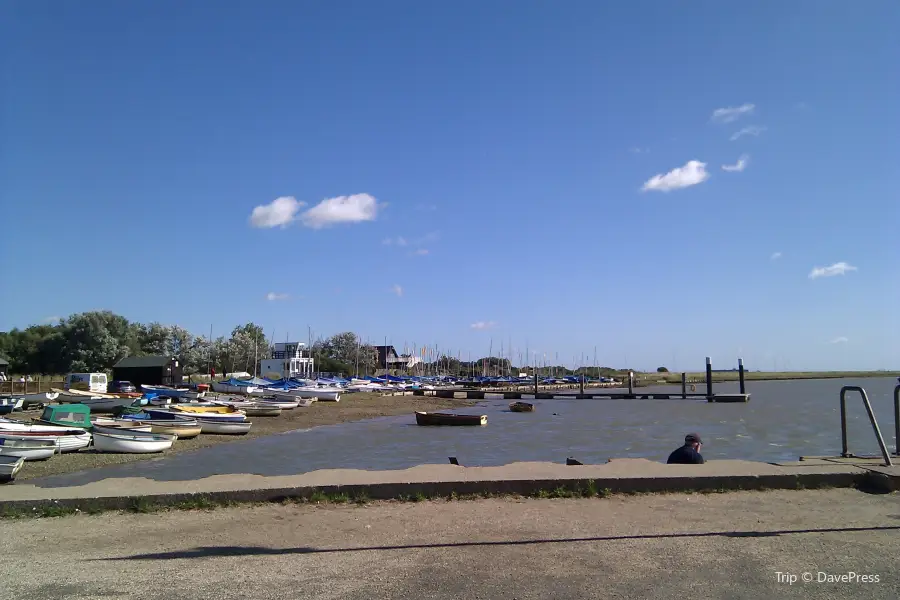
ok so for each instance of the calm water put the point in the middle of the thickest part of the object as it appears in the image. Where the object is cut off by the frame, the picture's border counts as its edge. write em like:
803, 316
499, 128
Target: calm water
782, 421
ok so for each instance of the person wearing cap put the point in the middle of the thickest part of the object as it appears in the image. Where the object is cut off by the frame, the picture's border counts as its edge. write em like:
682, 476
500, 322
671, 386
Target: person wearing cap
689, 454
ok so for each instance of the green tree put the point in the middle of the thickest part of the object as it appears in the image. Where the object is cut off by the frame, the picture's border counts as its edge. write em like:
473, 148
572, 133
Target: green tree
662, 370
95, 341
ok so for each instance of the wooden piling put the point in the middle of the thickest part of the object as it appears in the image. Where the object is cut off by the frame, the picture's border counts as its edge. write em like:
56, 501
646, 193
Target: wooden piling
582, 384
708, 378
535, 383
684, 386
630, 383
741, 375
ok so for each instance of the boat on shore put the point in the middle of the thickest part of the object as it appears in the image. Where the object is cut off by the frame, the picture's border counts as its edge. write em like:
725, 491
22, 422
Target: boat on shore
300, 402
430, 418
128, 443
221, 427
217, 413
27, 448
9, 467
67, 439
261, 410
167, 391
521, 407
7, 405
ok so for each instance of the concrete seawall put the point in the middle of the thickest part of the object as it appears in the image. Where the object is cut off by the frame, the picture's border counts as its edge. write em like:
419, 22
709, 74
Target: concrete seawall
615, 477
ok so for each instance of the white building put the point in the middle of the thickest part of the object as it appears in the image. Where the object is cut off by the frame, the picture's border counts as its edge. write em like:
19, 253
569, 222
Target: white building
289, 359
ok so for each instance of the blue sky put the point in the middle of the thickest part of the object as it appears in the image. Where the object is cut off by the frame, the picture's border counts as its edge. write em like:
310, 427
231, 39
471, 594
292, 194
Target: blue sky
455, 173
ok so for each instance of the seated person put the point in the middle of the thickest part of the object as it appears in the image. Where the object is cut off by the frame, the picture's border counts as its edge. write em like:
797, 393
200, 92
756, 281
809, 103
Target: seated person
689, 454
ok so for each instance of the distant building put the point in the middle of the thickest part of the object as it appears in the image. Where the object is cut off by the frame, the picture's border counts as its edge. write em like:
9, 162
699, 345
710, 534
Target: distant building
152, 370
288, 359
4, 369
388, 359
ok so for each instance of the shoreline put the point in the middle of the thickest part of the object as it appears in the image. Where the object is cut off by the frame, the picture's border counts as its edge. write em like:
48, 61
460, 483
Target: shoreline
358, 406
627, 476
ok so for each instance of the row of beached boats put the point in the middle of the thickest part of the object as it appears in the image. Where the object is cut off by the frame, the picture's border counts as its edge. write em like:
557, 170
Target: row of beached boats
139, 423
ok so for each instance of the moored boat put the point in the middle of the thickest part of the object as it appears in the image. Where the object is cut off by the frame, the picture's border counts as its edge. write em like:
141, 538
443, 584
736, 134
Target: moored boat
131, 425
224, 427
166, 391
126, 443
7, 405
67, 439
219, 413
9, 467
261, 410
27, 448
521, 407
430, 418
300, 402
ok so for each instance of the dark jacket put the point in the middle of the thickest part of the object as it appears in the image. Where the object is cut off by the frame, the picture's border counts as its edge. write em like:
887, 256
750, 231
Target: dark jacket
686, 455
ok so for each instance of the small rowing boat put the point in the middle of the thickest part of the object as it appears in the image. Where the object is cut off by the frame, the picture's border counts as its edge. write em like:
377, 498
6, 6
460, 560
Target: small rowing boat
9, 466
429, 418
125, 443
521, 407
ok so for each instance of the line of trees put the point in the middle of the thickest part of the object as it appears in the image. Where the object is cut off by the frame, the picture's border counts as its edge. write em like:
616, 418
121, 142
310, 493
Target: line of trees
95, 341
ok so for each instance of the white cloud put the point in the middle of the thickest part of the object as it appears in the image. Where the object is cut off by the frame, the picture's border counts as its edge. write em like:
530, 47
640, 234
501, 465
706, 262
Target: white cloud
341, 209
397, 241
53, 319
839, 268
739, 166
731, 113
397, 289
482, 325
421, 252
839, 340
775, 256
280, 212
753, 130
275, 296
692, 173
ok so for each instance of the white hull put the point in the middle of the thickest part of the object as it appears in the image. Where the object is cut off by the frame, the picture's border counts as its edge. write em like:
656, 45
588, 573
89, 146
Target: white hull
29, 449
301, 402
132, 444
282, 403
67, 439
224, 427
224, 388
9, 466
128, 425
322, 394
262, 411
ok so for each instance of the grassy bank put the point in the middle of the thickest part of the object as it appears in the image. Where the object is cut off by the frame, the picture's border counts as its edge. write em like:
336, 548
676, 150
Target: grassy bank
699, 376
352, 407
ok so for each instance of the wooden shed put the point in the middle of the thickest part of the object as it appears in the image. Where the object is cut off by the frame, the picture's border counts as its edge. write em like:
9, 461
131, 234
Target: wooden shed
152, 370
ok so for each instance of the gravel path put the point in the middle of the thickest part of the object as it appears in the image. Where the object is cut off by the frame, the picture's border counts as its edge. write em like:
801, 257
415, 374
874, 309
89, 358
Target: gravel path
655, 546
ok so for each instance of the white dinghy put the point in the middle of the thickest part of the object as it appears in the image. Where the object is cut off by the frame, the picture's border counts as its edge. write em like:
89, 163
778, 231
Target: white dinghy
124, 443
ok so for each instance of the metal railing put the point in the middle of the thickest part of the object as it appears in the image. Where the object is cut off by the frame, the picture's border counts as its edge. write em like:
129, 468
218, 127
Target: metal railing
865, 398
897, 420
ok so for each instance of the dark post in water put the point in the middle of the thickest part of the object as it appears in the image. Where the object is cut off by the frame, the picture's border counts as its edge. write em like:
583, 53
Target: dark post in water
630, 383
708, 378
684, 385
741, 375
582, 384
535, 383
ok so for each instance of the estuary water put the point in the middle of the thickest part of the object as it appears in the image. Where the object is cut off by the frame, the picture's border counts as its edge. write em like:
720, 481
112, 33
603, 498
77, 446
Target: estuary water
783, 421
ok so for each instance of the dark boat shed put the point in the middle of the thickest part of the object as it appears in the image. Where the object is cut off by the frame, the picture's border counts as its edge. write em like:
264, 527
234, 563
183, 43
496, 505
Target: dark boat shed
152, 370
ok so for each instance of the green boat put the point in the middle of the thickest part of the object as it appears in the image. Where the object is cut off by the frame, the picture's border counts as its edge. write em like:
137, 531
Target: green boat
66, 415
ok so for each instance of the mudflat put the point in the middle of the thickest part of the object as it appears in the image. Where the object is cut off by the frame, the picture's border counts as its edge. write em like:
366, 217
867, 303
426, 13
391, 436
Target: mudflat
736, 545
352, 407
